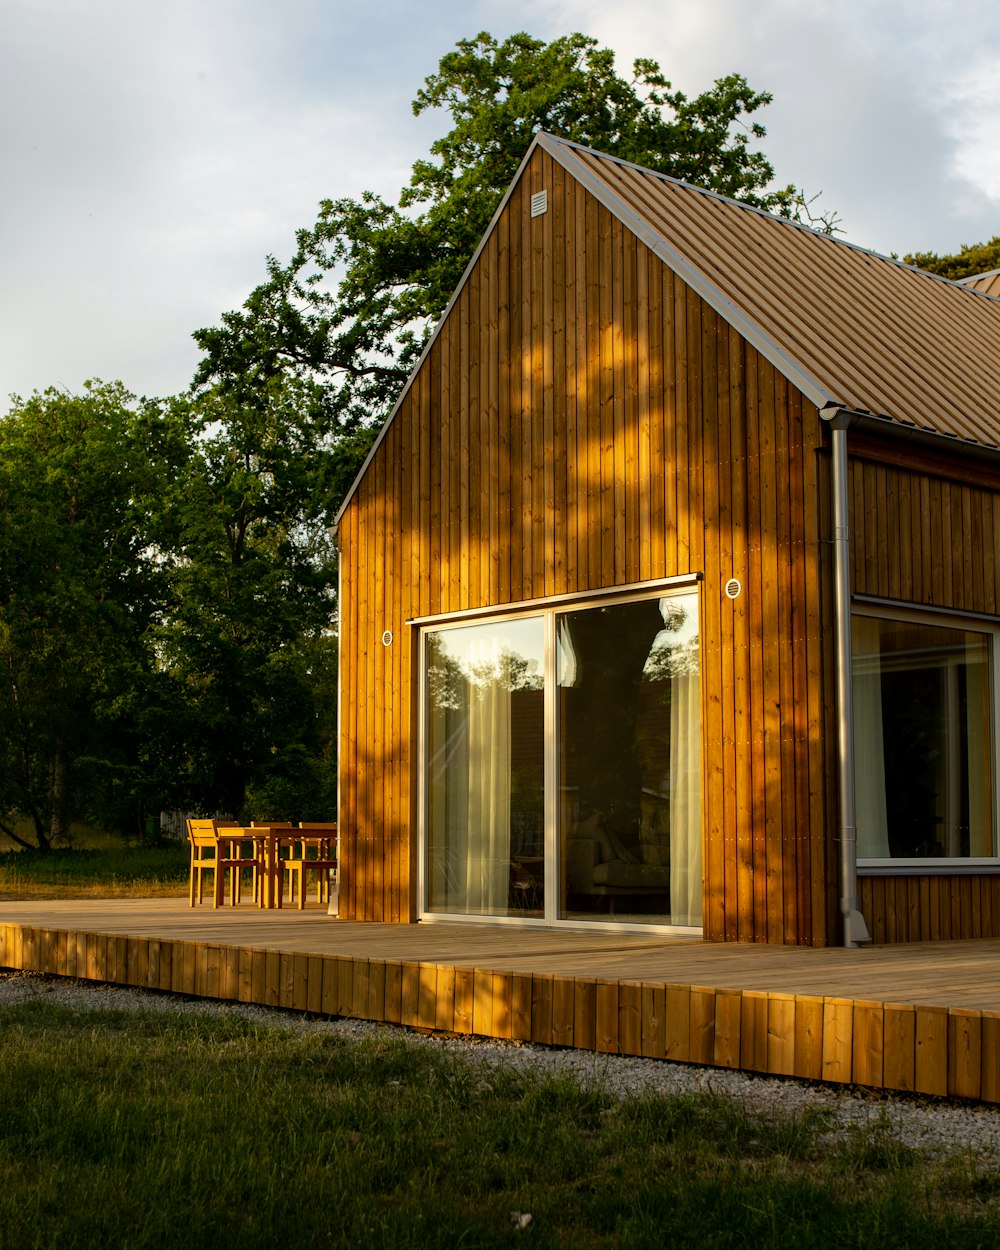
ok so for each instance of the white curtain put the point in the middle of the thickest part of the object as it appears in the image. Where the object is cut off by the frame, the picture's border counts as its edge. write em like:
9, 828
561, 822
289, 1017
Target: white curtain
869, 748
487, 828
685, 800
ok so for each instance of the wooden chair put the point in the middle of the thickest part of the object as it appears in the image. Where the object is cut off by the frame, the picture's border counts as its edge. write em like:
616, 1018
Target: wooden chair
314, 850
219, 849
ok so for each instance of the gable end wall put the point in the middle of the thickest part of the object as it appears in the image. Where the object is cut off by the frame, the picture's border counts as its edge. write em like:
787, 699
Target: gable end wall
584, 420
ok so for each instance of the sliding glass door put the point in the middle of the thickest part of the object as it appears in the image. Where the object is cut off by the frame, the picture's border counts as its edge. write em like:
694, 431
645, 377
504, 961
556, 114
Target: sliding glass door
562, 764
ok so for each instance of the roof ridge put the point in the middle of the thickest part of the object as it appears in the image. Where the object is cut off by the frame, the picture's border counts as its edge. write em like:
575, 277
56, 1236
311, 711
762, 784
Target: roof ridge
686, 268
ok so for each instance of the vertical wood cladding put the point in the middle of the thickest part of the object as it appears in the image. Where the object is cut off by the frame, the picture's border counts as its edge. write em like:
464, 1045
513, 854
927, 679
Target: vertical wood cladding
924, 533
926, 530
584, 420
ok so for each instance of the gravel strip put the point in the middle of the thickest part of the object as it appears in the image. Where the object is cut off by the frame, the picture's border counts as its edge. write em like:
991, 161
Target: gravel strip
933, 1125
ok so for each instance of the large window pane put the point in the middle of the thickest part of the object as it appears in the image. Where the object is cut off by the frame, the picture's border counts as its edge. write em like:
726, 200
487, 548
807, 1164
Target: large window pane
923, 740
629, 737
485, 769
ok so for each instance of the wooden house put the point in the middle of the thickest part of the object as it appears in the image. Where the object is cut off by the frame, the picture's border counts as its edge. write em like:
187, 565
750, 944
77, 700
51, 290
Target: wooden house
670, 592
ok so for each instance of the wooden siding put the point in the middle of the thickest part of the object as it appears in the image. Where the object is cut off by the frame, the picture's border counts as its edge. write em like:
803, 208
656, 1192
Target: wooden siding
584, 420
926, 531
926, 908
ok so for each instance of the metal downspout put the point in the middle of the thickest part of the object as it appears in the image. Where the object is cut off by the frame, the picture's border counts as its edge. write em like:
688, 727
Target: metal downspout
855, 929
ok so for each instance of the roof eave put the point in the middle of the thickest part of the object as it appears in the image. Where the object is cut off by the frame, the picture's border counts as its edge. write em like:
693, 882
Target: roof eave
926, 439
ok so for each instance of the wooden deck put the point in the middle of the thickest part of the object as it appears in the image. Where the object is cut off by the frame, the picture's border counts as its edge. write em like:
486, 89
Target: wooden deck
921, 1017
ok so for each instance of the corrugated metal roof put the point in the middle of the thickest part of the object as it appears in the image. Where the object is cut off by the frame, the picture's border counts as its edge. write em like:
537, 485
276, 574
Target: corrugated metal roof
986, 282
846, 325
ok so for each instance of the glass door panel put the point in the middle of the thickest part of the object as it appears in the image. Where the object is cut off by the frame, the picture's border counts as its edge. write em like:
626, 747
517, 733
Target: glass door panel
629, 762
485, 841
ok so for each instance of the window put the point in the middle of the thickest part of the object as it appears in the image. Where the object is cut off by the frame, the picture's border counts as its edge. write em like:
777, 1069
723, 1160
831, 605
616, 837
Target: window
924, 757
562, 764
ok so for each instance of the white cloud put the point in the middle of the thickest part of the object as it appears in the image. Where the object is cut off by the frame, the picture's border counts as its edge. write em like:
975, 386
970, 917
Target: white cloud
975, 107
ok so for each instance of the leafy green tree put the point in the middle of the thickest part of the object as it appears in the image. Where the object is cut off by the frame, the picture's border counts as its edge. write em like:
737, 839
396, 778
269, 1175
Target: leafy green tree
79, 588
966, 263
245, 643
347, 316
166, 598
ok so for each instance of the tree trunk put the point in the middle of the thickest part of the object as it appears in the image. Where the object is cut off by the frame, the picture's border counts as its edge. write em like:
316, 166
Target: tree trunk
60, 779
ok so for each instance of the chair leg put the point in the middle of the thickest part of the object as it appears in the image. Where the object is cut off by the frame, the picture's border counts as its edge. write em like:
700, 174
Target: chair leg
218, 887
296, 869
198, 870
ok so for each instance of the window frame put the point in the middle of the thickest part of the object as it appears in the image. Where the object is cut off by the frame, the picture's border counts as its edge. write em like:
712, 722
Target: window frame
970, 622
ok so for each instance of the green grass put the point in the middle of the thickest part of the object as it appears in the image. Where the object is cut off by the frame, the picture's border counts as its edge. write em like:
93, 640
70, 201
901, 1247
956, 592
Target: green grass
115, 871
169, 1131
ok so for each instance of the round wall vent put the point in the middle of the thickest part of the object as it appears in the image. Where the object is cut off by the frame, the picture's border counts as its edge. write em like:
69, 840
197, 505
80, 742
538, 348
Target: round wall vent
387, 638
733, 588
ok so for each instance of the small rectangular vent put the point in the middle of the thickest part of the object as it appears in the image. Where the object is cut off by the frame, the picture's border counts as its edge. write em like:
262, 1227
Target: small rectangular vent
539, 203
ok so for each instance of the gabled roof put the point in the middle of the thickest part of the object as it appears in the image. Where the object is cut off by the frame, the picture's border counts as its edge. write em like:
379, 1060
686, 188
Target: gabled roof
988, 282
849, 328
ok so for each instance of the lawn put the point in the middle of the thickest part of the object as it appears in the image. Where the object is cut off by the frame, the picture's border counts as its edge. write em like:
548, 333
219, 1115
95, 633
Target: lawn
161, 1131
95, 867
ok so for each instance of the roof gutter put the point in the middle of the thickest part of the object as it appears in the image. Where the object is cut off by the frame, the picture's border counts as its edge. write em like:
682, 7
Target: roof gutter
855, 930
924, 438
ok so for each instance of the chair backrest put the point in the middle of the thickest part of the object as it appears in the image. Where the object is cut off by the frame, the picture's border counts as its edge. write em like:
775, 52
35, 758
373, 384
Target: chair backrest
202, 832
319, 841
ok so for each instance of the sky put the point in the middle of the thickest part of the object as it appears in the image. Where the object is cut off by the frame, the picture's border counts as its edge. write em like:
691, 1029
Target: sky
155, 152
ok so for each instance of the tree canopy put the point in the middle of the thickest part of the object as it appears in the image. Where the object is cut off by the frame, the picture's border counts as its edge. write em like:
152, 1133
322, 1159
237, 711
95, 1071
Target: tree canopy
166, 610
246, 642
966, 263
79, 592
